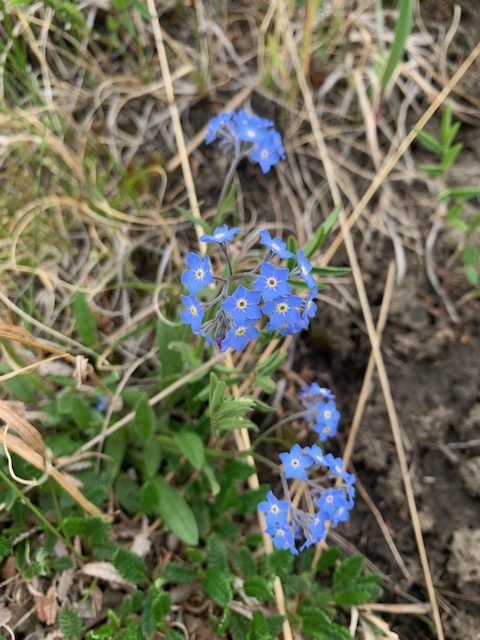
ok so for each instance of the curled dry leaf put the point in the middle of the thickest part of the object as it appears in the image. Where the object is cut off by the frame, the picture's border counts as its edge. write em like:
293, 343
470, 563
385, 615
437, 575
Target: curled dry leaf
47, 606
107, 572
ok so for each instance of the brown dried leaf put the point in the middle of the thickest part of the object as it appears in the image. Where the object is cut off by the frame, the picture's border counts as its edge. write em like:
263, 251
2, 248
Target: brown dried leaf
107, 572
47, 606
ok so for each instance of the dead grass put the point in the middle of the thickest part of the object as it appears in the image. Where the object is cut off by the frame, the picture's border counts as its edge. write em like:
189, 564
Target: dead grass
104, 144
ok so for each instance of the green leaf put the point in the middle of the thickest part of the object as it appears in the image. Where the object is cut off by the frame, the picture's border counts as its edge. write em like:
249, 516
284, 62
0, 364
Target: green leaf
266, 384
359, 593
319, 626
198, 221
5, 547
130, 566
429, 142
148, 624
270, 364
160, 606
144, 419
459, 193
259, 588
328, 558
191, 445
330, 272
349, 571
171, 361
446, 122
217, 586
259, 628
84, 320
432, 169
188, 352
178, 573
279, 563
275, 624
451, 154
234, 408
292, 247
161, 499
127, 492
471, 275
322, 233
244, 561
217, 392
403, 29
92, 529
82, 412
227, 206
293, 584
70, 624
152, 457
216, 553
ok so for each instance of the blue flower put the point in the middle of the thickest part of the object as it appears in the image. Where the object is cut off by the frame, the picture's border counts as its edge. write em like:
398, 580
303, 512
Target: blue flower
238, 337
199, 275
311, 394
193, 313
283, 311
328, 418
305, 268
221, 234
246, 134
242, 305
276, 245
318, 528
295, 463
330, 501
269, 151
292, 329
216, 124
316, 454
250, 127
101, 404
276, 510
282, 537
272, 282
309, 306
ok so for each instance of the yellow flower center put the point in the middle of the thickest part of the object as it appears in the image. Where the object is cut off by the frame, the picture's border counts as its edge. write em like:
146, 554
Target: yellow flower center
271, 282
241, 304
240, 331
199, 274
282, 307
193, 310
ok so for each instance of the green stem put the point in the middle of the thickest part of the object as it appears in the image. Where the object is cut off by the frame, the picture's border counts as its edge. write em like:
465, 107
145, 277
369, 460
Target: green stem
38, 513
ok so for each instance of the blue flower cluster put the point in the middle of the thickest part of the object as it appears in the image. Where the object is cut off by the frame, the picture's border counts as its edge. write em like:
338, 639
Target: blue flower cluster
233, 323
288, 525
247, 135
321, 412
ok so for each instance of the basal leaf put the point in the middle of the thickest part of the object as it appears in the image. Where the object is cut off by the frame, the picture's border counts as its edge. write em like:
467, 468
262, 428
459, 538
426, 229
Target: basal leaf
191, 445
163, 500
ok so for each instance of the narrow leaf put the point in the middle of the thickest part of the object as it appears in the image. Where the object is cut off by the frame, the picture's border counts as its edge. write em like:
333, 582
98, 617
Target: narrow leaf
323, 231
163, 500
191, 445
402, 31
144, 420
84, 319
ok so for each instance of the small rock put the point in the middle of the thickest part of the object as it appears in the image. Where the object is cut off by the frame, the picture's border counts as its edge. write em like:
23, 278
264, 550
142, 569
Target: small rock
464, 561
470, 474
